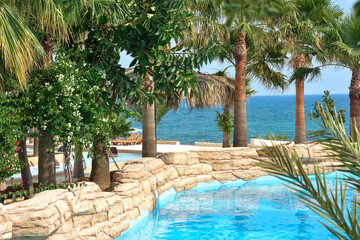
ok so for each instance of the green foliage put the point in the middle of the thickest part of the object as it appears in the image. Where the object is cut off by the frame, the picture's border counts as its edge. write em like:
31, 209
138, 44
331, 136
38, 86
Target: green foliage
339, 216
152, 28
275, 137
119, 125
64, 99
41, 188
329, 105
225, 121
10, 136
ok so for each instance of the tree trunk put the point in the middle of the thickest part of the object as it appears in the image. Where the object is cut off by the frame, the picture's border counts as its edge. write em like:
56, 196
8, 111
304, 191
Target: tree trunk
100, 171
300, 134
148, 124
78, 162
226, 135
47, 163
149, 135
354, 95
25, 171
36, 144
240, 125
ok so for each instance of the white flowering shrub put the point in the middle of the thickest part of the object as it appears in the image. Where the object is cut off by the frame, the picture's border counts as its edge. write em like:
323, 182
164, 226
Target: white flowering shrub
63, 102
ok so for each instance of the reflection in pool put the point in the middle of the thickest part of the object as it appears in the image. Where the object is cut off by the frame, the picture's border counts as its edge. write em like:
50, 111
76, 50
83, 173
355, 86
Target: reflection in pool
259, 209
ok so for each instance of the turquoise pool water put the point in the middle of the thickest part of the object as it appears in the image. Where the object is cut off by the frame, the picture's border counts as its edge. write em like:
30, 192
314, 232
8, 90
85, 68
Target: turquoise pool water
259, 209
121, 157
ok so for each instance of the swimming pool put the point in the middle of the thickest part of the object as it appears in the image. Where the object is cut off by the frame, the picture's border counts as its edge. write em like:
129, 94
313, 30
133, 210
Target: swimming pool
121, 157
258, 209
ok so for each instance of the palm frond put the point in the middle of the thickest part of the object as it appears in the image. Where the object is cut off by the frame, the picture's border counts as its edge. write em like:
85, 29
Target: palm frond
308, 73
19, 48
339, 215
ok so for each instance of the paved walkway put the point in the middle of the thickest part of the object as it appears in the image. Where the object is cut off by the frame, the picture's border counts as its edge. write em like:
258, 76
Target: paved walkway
161, 148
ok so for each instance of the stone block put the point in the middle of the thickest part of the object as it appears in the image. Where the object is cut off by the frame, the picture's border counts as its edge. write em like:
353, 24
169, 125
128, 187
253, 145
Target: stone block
222, 165
185, 183
131, 171
172, 172
204, 178
139, 198
207, 156
153, 164
196, 169
146, 186
101, 205
243, 152
224, 176
128, 204
243, 163
67, 227
115, 210
99, 217
181, 158
249, 175
161, 177
119, 224
82, 222
128, 189
83, 207
134, 213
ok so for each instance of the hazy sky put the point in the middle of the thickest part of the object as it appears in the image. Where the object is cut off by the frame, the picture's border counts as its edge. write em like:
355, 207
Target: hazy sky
335, 80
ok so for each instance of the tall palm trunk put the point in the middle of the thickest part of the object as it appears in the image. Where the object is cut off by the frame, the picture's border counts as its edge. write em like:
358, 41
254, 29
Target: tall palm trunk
226, 135
300, 135
47, 163
100, 171
148, 124
240, 125
36, 144
354, 95
25, 171
78, 162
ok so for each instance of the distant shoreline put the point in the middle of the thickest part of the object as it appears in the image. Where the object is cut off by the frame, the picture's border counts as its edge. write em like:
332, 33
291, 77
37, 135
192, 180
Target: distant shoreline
288, 95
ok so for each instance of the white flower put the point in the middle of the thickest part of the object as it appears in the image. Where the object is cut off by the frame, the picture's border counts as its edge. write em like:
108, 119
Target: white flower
104, 120
69, 125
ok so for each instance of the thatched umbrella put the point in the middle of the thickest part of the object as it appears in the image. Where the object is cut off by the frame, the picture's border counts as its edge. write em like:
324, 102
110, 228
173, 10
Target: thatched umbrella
214, 90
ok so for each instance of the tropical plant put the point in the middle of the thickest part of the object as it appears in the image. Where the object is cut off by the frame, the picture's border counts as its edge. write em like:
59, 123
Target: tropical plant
160, 69
301, 31
119, 125
252, 51
10, 164
275, 137
19, 48
339, 215
328, 103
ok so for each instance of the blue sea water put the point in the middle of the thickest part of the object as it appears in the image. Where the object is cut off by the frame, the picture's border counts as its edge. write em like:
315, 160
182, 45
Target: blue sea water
247, 210
275, 114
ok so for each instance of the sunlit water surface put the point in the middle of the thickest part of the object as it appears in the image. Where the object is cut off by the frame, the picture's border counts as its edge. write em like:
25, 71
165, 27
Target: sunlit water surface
259, 209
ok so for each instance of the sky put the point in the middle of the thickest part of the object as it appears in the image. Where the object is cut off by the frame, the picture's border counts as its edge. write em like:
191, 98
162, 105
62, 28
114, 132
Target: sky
336, 80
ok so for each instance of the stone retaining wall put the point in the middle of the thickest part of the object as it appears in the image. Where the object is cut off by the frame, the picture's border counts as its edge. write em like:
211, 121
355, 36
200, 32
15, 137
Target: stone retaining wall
88, 213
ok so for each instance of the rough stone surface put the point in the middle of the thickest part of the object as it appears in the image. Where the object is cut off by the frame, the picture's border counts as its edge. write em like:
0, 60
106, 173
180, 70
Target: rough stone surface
88, 213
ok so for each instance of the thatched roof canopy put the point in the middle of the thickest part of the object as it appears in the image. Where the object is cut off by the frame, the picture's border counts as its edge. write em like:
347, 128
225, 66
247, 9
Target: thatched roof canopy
213, 90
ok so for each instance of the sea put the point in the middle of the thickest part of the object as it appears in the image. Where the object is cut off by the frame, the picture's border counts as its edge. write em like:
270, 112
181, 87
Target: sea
273, 114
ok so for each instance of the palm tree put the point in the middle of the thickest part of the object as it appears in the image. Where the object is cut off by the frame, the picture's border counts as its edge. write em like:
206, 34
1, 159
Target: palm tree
242, 35
264, 55
214, 90
344, 50
301, 30
19, 48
